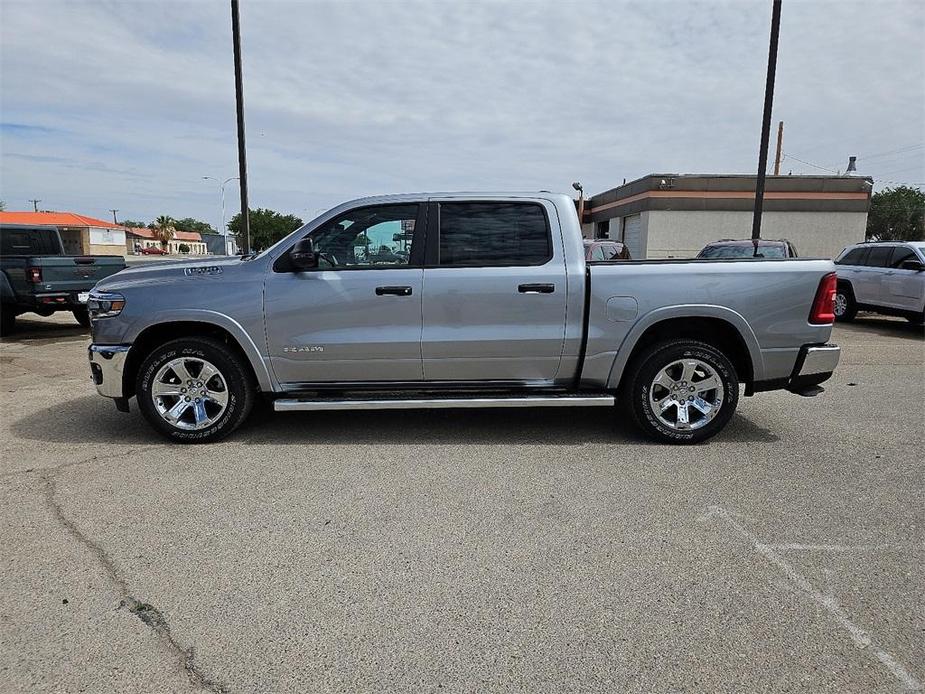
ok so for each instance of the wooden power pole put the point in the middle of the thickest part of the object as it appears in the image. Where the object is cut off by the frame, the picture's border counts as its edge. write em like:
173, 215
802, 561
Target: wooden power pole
780, 142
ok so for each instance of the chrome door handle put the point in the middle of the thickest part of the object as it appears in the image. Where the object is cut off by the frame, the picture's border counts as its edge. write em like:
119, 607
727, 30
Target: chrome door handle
395, 291
536, 288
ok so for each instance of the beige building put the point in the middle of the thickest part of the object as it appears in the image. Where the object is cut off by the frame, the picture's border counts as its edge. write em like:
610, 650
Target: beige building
140, 238
674, 216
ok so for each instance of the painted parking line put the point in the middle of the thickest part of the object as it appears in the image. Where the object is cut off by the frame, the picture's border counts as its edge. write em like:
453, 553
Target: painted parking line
861, 638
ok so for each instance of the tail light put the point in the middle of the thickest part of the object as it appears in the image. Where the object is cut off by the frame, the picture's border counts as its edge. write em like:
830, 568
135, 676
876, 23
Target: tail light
823, 311
34, 275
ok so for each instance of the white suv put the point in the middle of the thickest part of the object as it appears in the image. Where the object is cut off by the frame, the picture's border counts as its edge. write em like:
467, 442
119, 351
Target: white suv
886, 277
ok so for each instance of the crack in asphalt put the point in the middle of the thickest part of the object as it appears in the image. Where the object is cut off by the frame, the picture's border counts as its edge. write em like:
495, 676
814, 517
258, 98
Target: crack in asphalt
75, 463
147, 613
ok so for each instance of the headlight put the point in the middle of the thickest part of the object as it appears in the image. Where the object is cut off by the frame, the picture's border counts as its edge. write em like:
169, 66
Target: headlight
105, 305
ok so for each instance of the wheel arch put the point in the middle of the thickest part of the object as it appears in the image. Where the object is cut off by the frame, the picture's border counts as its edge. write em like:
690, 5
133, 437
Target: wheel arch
227, 331
721, 327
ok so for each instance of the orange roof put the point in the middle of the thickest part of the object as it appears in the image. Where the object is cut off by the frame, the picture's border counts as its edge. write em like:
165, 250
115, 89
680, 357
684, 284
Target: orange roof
72, 219
58, 219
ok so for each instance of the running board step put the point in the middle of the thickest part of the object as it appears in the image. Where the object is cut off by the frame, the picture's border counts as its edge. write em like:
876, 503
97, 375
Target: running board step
290, 405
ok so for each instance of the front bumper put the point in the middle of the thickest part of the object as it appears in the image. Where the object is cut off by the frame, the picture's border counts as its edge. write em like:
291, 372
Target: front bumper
106, 365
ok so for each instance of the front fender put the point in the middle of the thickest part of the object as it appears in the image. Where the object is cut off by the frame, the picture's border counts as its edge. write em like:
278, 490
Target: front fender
686, 311
221, 320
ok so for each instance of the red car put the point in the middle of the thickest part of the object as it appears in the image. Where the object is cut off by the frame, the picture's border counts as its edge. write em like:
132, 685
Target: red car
153, 250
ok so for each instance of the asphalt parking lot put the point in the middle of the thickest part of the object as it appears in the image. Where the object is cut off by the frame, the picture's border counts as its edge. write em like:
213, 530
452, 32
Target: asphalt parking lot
540, 551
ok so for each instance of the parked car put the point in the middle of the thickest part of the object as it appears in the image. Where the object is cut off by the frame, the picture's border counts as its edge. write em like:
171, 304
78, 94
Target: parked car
748, 248
153, 250
494, 307
598, 250
885, 277
36, 275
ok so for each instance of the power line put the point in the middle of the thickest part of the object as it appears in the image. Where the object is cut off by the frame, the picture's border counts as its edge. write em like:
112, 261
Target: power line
901, 150
787, 155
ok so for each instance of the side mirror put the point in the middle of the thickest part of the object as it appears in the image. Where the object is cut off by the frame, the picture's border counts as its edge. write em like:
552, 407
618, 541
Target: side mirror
303, 255
911, 265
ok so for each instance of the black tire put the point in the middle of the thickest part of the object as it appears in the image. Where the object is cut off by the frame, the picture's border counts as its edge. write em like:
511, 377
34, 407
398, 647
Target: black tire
82, 316
233, 369
7, 322
846, 294
642, 372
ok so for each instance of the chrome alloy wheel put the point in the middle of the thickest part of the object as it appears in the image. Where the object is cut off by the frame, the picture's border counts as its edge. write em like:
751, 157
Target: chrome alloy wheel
841, 304
189, 393
687, 394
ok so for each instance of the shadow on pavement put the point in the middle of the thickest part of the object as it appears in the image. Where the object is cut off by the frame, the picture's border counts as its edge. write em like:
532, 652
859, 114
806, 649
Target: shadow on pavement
95, 419
867, 323
32, 328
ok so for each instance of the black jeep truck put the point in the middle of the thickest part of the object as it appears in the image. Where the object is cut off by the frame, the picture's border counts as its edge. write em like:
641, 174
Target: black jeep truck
36, 275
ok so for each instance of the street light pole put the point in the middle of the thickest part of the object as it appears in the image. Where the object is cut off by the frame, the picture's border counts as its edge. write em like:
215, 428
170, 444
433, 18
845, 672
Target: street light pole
766, 123
239, 102
224, 229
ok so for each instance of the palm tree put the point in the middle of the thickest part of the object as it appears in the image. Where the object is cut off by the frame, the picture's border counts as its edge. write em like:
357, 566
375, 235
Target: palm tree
164, 229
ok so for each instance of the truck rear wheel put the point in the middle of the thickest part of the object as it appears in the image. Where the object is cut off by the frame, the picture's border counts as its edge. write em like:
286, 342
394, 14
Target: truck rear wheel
682, 391
195, 390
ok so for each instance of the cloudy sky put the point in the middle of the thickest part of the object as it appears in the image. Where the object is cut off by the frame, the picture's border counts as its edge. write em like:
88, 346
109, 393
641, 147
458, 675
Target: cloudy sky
129, 104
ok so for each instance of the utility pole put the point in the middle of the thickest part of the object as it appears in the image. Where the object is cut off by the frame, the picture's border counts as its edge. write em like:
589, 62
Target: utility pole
780, 142
239, 100
35, 204
766, 122
114, 220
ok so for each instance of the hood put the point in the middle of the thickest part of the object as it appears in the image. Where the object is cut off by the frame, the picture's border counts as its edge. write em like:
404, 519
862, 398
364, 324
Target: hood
169, 271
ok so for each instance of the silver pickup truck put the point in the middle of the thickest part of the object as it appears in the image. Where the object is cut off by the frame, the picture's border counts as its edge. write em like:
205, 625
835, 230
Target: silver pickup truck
457, 300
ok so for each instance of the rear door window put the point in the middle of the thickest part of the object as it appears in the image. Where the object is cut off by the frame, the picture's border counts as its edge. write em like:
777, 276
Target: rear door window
901, 254
485, 234
879, 256
598, 253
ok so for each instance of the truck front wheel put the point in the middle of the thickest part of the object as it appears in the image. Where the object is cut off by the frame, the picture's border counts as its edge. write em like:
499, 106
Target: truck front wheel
82, 316
682, 391
7, 321
194, 390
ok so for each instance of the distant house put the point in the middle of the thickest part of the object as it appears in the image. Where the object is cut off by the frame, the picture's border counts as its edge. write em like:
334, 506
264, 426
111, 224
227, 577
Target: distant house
81, 235
138, 238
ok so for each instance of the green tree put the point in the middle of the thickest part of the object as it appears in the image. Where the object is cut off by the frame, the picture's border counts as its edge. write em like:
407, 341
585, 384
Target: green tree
2, 206
266, 226
190, 224
897, 214
132, 224
163, 229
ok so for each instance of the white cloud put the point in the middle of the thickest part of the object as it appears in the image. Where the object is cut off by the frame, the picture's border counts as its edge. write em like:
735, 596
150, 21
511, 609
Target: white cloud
129, 104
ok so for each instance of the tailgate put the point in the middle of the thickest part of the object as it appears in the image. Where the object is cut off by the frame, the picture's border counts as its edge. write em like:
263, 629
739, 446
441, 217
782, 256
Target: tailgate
75, 273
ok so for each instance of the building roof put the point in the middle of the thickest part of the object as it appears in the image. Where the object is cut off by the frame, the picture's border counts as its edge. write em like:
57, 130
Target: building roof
730, 192
145, 233
58, 219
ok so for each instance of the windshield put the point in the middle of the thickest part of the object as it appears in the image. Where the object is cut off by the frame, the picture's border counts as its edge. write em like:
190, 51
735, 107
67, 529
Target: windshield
744, 251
